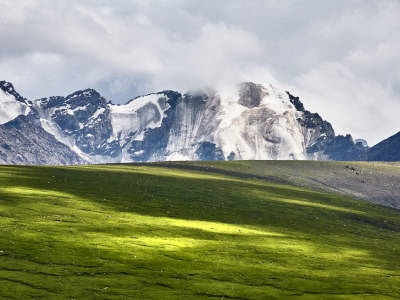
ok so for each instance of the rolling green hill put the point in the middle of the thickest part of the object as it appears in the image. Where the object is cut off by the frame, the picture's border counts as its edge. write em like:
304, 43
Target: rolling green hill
212, 230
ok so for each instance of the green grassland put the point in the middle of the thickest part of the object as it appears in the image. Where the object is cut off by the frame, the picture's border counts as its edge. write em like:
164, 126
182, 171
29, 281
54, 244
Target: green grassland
227, 230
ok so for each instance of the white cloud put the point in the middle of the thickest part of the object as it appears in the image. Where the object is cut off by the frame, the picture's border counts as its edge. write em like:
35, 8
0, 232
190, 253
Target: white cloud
217, 58
340, 56
363, 107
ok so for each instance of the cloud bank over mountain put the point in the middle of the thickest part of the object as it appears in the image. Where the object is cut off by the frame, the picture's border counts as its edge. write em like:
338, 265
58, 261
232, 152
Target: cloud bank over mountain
340, 57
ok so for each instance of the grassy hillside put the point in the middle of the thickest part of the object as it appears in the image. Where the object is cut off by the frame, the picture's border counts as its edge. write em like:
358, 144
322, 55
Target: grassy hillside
190, 230
376, 182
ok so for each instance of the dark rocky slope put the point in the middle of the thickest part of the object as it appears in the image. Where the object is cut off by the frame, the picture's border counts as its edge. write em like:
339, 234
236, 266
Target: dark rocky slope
387, 150
24, 141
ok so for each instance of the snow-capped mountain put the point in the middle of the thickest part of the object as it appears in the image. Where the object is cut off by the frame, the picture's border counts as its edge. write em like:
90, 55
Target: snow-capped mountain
22, 138
11, 103
259, 122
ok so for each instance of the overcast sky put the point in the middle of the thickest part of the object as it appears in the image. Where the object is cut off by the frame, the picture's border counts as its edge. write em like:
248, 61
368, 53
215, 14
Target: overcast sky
341, 57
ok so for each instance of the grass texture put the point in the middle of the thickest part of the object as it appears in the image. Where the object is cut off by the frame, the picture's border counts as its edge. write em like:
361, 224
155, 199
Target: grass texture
177, 231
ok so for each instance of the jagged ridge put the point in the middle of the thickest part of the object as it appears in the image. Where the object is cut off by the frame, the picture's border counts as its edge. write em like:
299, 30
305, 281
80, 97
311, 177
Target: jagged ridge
261, 122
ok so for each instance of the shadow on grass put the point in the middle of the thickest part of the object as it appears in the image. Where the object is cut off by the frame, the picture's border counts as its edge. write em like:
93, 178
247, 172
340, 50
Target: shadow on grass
148, 191
184, 196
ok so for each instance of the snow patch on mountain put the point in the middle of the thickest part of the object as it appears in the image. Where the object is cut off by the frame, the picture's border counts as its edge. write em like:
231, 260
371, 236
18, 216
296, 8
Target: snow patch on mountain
136, 116
266, 128
10, 108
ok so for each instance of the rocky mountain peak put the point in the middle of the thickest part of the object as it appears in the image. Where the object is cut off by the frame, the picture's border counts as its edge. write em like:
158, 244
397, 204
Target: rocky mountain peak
8, 88
296, 102
363, 142
311, 120
387, 150
251, 94
85, 97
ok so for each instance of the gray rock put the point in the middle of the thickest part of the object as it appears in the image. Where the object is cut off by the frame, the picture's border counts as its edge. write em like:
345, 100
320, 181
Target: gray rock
24, 141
